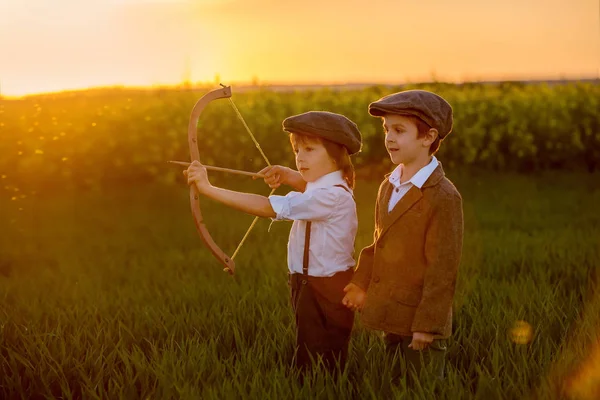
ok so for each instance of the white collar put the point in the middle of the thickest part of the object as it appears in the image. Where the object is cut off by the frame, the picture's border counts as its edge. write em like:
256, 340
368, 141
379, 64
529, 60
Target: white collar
417, 179
327, 180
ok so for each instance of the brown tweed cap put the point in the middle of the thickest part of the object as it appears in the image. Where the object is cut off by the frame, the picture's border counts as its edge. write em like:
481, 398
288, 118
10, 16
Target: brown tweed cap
428, 106
327, 125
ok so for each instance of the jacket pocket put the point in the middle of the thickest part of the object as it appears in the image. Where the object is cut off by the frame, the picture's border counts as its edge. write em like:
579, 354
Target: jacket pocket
406, 297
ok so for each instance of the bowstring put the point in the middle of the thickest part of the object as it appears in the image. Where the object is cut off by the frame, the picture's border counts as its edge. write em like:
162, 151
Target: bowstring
239, 115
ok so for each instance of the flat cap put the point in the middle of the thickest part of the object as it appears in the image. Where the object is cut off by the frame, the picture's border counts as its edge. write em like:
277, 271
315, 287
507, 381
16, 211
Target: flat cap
429, 107
327, 125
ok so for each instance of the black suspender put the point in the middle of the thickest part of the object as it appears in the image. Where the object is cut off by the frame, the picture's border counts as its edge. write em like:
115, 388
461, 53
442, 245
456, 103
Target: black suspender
306, 249
307, 243
345, 188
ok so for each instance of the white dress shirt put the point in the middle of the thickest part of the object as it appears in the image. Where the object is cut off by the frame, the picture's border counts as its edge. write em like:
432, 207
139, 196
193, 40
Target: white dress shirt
332, 211
418, 180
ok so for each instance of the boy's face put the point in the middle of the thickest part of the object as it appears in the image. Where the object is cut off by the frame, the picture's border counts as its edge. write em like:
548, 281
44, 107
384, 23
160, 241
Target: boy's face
312, 159
402, 141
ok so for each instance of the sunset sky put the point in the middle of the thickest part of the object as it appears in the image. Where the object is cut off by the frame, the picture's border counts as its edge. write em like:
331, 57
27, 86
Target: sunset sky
51, 45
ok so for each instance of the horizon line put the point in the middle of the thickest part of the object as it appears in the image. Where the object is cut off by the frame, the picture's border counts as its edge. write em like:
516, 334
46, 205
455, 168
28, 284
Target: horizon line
251, 84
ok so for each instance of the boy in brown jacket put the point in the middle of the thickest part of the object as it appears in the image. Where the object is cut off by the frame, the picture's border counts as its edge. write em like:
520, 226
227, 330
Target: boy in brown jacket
404, 282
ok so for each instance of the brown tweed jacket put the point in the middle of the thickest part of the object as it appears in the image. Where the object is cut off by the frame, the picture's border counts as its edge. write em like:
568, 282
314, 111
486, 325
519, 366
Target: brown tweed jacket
410, 270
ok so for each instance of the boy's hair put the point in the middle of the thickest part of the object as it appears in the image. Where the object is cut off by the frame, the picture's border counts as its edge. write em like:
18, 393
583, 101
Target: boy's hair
422, 129
337, 152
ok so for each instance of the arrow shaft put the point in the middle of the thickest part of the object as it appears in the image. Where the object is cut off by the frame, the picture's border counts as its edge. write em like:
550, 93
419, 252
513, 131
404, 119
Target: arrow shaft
220, 169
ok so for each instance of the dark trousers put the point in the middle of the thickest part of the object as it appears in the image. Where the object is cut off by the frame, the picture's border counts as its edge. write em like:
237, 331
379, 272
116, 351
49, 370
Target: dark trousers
323, 323
414, 363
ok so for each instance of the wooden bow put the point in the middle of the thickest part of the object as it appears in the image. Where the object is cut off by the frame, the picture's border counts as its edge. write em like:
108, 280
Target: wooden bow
222, 93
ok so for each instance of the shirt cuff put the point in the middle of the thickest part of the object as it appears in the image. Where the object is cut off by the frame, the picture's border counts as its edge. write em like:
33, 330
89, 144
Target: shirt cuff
281, 206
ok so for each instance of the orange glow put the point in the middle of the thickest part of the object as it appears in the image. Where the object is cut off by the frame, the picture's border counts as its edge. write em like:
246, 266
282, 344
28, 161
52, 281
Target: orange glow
69, 44
521, 332
585, 384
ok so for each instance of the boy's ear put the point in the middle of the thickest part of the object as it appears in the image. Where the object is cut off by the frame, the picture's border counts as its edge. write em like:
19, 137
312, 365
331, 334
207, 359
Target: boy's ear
430, 137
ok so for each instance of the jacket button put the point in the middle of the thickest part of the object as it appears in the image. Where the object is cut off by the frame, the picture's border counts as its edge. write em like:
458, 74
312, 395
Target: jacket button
376, 279
304, 281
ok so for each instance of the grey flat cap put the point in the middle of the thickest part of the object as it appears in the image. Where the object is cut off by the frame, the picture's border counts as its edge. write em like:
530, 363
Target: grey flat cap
327, 125
429, 107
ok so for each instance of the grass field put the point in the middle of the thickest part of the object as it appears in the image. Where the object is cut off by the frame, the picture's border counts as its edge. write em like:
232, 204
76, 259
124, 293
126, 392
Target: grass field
110, 294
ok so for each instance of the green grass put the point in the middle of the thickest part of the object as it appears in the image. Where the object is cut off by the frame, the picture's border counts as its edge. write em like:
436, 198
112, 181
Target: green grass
111, 295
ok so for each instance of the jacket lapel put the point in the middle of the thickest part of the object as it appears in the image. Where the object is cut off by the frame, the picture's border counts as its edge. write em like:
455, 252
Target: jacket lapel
406, 202
386, 193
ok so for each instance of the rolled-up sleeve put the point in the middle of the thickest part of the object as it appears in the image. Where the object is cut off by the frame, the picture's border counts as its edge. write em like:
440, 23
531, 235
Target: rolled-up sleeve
314, 205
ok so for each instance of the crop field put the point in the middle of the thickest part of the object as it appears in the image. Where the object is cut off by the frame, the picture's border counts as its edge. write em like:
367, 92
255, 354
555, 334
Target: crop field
107, 292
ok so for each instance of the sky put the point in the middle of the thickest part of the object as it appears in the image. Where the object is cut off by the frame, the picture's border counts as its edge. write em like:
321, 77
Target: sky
53, 45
